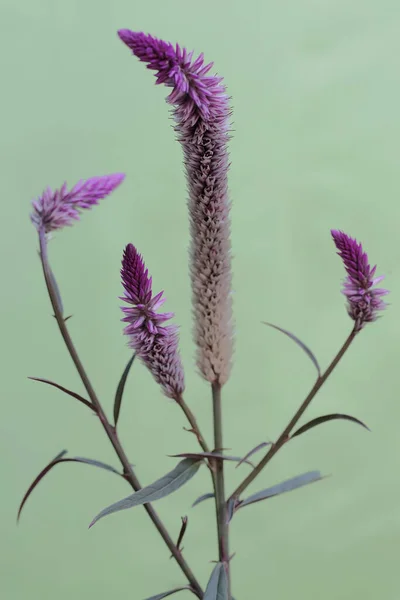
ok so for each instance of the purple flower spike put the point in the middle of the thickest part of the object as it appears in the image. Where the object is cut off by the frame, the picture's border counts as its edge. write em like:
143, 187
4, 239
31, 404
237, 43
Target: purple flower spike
201, 111
154, 343
364, 303
58, 209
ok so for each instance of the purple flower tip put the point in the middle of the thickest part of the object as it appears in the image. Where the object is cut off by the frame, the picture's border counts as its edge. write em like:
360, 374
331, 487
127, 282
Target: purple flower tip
364, 302
199, 95
60, 208
155, 344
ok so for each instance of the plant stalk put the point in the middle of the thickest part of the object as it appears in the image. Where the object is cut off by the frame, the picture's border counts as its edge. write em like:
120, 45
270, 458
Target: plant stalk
108, 427
219, 486
284, 437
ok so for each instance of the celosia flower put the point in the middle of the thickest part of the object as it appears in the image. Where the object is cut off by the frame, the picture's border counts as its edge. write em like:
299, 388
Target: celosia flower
58, 209
364, 303
154, 343
201, 113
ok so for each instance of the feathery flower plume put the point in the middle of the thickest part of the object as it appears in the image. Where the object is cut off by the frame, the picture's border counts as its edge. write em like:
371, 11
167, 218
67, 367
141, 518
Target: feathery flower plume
364, 303
58, 209
201, 111
154, 343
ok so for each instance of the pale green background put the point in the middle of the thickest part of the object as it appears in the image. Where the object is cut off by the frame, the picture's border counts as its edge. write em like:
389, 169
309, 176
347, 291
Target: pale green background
316, 93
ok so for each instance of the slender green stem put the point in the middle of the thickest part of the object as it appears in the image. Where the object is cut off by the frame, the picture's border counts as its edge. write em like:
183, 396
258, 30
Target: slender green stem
219, 485
108, 427
193, 423
283, 438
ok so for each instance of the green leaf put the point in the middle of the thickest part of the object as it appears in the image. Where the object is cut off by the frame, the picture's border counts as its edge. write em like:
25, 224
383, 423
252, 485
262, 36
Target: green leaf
305, 348
120, 389
217, 587
325, 419
165, 594
281, 488
172, 481
56, 461
65, 390
253, 451
202, 498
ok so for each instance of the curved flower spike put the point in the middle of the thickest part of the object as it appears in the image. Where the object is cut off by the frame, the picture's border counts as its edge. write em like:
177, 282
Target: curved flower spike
363, 302
58, 209
201, 111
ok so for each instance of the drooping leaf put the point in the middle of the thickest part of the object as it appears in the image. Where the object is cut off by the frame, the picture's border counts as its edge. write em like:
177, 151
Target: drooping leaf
202, 498
253, 451
217, 587
120, 389
94, 463
281, 488
165, 594
56, 461
325, 419
37, 480
168, 484
202, 455
305, 348
65, 390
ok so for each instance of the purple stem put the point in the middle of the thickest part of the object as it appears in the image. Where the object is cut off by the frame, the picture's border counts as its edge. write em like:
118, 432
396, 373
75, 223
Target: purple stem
283, 438
108, 427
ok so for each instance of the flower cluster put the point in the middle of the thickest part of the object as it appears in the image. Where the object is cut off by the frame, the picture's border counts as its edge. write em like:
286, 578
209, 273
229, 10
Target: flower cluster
155, 344
364, 302
60, 208
201, 111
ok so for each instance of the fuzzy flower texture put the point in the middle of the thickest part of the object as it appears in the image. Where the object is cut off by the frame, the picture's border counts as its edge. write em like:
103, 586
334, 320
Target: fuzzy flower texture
60, 208
364, 302
201, 113
155, 343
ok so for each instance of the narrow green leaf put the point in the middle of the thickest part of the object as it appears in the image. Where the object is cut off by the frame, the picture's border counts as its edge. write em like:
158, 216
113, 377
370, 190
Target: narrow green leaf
305, 348
281, 488
217, 587
165, 594
56, 461
120, 389
94, 463
168, 484
37, 480
202, 498
325, 419
65, 390
253, 451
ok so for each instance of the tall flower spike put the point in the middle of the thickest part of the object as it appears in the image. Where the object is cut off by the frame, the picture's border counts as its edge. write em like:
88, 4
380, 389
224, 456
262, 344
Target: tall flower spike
154, 343
364, 303
58, 209
201, 112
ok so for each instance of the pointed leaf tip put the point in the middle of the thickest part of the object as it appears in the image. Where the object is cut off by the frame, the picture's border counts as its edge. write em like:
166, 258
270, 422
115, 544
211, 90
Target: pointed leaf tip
172, 481
301, 344
325, 419
217, 587
120, 389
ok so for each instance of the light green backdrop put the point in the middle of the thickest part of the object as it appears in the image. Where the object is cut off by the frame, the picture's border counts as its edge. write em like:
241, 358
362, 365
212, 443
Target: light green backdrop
316, 93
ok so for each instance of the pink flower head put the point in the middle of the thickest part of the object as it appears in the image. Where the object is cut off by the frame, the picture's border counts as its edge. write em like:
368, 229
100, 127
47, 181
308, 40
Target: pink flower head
58, 209
201, 111
364, 303
155, 344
